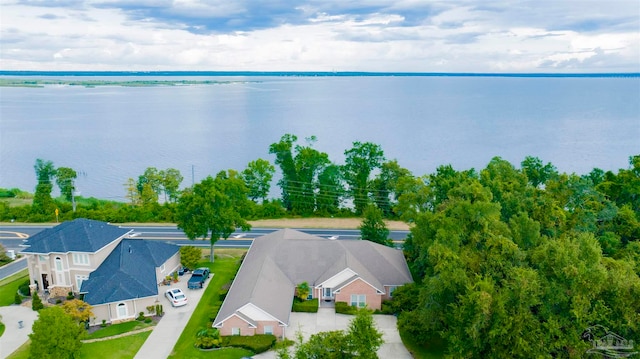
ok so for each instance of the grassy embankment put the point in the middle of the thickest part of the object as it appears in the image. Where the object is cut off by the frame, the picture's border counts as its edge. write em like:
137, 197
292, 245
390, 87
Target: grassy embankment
9, 287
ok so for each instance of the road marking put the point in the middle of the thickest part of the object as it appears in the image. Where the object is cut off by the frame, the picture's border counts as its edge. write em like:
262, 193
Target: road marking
15, 235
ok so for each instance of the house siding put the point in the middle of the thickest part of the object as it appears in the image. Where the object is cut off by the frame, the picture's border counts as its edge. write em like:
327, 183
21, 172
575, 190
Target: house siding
170, 265
236, 322
359, 286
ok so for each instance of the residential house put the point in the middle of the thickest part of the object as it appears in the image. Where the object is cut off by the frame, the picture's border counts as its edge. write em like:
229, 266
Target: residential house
361, 273
119, 276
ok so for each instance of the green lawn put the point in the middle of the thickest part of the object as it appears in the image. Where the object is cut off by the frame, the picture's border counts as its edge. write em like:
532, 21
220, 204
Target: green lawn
120, 348
9, 287
22, 352
116, 329
225, 269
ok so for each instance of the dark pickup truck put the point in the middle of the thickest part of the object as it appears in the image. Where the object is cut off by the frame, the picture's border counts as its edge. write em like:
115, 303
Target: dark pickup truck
198, 277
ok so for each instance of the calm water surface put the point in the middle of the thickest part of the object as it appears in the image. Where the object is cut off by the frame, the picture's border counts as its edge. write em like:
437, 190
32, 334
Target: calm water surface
109, 134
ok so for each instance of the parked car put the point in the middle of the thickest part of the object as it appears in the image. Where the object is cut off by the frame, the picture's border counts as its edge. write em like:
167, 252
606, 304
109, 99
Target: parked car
198, 277
176, 297
182, 270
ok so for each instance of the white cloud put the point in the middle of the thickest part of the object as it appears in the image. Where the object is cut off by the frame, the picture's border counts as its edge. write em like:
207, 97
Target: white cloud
407, 35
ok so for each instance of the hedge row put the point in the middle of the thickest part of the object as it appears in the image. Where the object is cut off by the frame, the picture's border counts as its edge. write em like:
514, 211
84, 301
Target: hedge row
258, 343
308, 306
345, 308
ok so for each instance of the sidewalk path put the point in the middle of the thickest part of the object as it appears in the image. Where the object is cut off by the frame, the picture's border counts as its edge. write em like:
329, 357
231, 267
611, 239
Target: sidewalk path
14, 336
118, 335
165, 335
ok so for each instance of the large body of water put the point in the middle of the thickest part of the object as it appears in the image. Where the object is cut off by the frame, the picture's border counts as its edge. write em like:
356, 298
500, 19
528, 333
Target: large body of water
109, 134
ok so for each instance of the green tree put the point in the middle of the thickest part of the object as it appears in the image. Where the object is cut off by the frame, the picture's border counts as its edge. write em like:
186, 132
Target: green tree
373, 227
36, 302
330, 190
385, 186
257, 176
132, 192
149, 185
214, 207
55, 335
65, 177
363, 336
170, 179
538, 173
42, 201
190, 256
301, 167
360, 161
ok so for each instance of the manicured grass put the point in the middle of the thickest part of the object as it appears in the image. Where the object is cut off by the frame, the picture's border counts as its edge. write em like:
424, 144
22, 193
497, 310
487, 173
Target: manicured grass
22, 352
9, 287
116, 329
2, 328
225, 268
120, 348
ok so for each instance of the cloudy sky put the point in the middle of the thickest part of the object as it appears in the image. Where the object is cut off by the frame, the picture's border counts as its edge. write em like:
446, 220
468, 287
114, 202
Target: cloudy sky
321, 35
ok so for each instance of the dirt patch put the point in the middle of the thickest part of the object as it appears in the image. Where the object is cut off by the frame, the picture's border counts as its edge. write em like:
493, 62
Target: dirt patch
337, 223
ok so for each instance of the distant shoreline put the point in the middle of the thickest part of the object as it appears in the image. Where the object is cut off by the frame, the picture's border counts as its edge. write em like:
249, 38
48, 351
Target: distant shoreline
311, 74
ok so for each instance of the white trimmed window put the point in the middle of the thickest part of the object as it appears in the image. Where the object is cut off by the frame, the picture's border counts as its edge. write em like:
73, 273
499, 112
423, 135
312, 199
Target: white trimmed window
81, 259
80, 279
162, 268
268, 329
327, 293
58, 262
391, 290
122, 310
358, 300
235, 331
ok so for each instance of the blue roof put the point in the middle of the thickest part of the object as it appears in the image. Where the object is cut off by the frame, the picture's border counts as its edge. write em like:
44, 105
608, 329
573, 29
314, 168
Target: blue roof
79, 235
128, 272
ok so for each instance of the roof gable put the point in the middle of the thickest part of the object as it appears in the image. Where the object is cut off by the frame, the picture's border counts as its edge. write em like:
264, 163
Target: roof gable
79, 235
128, 272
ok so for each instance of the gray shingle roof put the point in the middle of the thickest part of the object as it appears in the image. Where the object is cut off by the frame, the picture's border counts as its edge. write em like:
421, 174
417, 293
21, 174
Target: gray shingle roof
79, 235
128, 272
276, 263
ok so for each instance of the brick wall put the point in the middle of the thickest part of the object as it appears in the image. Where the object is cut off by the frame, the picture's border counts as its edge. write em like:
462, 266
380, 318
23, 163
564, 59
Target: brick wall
358, 286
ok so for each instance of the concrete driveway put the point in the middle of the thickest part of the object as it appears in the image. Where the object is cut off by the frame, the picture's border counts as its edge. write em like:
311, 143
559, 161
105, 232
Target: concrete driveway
326, 320
14, 336
165, 335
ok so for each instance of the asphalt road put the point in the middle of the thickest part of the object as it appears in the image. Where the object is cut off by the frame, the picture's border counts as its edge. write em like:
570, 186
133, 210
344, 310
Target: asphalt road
13, 236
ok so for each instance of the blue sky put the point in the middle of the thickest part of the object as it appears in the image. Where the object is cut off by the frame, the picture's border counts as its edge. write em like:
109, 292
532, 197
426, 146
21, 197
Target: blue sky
313, 35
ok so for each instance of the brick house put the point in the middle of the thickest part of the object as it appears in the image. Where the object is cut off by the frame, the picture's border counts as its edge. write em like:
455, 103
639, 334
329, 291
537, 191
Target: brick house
361, 273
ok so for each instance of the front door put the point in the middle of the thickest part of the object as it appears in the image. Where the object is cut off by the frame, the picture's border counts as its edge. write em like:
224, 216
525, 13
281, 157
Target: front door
45, 282
327, 294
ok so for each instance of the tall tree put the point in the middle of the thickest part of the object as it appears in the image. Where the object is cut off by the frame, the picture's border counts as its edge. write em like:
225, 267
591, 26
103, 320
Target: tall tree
301, 167
150, 182
42, 201
284, 158
330, 190
373, 227
214, 207
170, 179
538, 173
65, 177
360, 161
257, 176
385, 186
55, 334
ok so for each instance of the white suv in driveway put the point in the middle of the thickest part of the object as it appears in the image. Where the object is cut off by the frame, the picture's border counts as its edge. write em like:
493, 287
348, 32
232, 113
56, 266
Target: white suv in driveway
176, 297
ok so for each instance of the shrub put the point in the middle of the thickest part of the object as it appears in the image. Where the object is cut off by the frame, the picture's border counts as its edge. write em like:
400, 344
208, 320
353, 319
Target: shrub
148, 320
70, 296
140, 316
24, 289
104, 323
36, 303
159, 309
151, 309
308, 306
207, 343
258, 343
345, 308
17, 299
